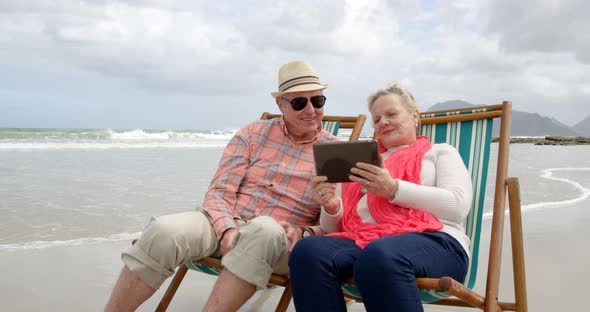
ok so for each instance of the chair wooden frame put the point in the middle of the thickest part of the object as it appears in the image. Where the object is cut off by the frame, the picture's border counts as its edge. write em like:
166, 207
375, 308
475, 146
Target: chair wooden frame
504, 185
346, 122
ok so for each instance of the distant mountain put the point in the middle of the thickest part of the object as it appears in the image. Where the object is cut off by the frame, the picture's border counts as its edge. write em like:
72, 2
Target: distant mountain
527, 124
533, 124
449, 105
560, 123
583, 127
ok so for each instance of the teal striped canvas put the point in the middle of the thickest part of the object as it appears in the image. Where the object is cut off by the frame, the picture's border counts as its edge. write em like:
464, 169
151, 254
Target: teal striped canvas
330, 126
202, 268
472, 139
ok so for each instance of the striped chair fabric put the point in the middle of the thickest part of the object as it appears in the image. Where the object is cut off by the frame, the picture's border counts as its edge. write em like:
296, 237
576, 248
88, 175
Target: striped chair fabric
472, 139
331, 126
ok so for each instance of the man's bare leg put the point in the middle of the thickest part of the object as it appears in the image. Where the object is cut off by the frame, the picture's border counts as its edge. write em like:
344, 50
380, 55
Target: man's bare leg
129, 293
229, 293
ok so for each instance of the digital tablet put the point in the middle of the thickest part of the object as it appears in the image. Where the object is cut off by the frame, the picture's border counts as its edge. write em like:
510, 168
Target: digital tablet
335, 159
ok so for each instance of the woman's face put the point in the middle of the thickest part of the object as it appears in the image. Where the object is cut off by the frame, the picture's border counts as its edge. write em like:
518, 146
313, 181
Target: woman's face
393, 123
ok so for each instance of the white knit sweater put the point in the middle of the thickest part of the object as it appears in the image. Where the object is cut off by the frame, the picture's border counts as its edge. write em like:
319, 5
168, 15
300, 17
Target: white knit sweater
446, 193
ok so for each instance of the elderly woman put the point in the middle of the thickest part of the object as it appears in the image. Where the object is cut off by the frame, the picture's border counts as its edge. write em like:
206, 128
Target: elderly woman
393, 223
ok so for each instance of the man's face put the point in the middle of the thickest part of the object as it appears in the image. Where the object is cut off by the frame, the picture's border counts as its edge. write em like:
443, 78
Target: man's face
302, 124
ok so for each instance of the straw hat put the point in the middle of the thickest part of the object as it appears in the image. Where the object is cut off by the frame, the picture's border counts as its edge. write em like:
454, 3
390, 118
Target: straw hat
297, 76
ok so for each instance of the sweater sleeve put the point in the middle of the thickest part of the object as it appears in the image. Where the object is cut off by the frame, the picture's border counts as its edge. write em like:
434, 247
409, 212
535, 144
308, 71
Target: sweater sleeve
450, 196
331, 223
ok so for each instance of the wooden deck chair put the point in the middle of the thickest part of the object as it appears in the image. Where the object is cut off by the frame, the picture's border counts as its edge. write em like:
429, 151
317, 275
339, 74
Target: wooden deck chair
469, 130
211, 265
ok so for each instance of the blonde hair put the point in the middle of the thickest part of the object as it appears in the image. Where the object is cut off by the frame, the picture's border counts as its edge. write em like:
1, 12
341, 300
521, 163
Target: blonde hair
407, 99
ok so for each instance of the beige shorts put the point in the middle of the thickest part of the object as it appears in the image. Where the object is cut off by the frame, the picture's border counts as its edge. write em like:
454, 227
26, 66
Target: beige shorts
260, 248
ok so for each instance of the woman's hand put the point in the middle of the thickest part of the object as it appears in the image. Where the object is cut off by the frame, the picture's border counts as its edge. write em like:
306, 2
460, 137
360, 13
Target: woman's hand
376, 180
324, 193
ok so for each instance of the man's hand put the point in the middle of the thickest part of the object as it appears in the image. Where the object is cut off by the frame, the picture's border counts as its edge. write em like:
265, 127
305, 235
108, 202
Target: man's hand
293, 233
227, 241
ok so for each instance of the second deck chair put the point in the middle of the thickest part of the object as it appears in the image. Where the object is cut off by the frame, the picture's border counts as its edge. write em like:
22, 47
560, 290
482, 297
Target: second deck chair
469, 131
211, 265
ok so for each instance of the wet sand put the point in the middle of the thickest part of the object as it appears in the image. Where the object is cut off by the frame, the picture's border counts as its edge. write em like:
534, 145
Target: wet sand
79, 278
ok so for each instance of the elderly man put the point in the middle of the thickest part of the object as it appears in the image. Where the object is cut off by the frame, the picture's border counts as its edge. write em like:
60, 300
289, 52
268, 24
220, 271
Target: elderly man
258, 205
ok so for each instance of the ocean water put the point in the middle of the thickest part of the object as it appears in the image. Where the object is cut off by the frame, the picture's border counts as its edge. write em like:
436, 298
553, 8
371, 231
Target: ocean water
78, 187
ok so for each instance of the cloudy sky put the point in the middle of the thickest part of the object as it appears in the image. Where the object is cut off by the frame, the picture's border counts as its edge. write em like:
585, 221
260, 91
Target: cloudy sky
192, 64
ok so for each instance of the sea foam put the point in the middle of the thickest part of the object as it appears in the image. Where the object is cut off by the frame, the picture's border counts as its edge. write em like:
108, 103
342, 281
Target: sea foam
109, 145
43, 139
69, 243
548, 174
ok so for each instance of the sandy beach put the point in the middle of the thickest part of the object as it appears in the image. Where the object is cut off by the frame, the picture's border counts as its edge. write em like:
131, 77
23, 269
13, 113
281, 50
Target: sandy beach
79, 278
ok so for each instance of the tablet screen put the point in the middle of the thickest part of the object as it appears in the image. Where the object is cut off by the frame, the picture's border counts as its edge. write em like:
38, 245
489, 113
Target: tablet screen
335, 159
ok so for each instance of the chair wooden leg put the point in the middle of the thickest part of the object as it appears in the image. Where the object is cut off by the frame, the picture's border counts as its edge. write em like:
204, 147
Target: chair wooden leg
285, 299
517, 244
460, 291
167, 298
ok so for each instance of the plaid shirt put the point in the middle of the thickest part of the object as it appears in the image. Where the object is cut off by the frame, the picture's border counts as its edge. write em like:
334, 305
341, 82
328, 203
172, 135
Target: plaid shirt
263, 172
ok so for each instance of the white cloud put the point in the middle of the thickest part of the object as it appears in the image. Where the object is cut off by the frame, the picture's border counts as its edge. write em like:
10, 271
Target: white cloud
533, 53
547, 26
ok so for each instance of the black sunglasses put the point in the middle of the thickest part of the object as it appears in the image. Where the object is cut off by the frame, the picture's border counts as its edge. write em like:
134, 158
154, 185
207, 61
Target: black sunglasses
299, 103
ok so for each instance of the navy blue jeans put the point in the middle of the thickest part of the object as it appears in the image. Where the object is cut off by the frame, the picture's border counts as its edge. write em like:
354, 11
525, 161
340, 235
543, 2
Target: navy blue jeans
385, 270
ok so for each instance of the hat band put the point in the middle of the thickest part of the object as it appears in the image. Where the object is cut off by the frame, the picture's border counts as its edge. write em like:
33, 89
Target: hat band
299, 81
